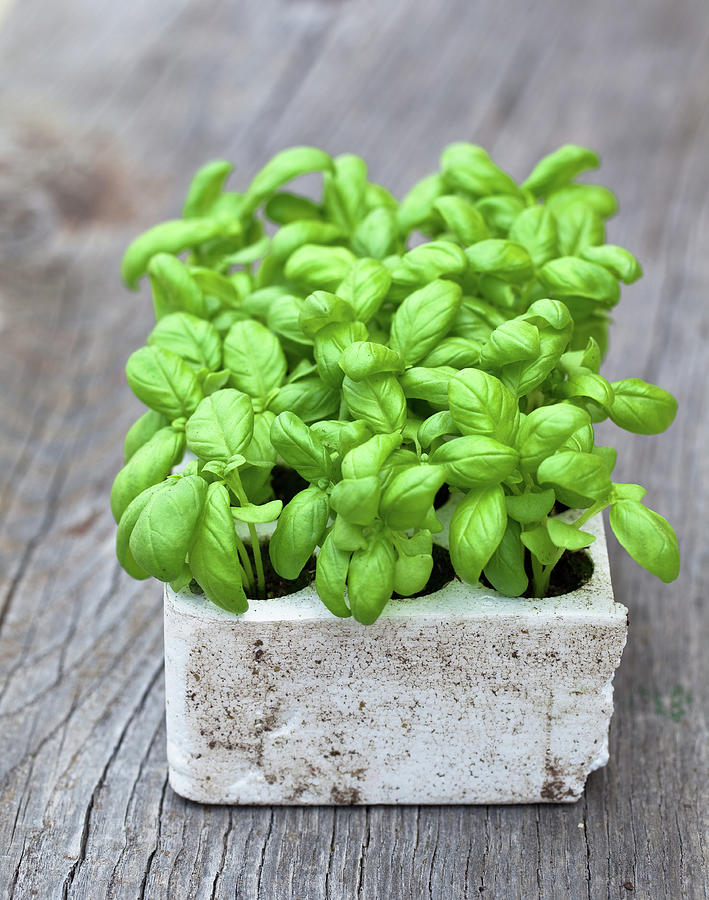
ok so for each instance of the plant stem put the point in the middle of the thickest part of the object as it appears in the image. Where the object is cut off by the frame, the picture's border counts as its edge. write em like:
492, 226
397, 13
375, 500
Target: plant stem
540, 578
236, 485
342, 414
245, 562
590, 513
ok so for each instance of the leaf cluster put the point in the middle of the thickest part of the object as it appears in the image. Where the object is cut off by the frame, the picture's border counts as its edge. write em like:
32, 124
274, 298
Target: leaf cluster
325, 335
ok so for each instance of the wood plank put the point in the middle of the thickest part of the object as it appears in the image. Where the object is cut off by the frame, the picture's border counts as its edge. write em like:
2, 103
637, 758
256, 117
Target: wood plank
106, 110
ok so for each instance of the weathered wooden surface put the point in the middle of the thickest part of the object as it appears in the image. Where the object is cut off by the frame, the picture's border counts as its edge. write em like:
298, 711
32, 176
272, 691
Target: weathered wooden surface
105, 110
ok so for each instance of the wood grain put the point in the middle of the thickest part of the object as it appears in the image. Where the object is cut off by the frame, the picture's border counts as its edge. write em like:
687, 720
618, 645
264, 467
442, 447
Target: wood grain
106, 109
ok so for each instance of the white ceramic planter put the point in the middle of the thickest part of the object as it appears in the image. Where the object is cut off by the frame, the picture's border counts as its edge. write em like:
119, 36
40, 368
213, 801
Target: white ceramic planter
463, 696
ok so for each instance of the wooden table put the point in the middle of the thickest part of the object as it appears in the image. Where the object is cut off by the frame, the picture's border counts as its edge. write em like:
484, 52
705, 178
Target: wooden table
106, 109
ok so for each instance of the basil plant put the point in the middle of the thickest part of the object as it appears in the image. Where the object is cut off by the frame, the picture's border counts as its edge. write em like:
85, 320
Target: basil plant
381, 369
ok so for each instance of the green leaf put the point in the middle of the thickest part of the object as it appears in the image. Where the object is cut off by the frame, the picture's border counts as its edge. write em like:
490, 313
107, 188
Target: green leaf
364, 358
283, 317
258, 513
364, 287
575, 475
370, 580
594, 386
438, 425
379, 400
647, 537
255, 359
149, 465
596, 197
407, 501
481, 404
260, 452
376, 234
569, 276
476, 529
125, 529
282, 168
641, 407
627, 492
462, 219
423, 319
284, 208
417, 205
299, 530
172, 237
163, 381
510, 342
505, 568
429, 384
330, 344
564, 535
141, 431
163, 531
530, 507
545, 429
331, 577
430, 261
344, 190
214, 558
539, 544
535, 229
221, 426
469, 168
322, 308
310, 399
368, 458
458, 352
310, 231
506, 259
579, 228
206, 185
301, 447
191, 338
411, 572
347, 537
475, 461
560, 167
357, 499
500, 211
174, 289
315, 266
617, 260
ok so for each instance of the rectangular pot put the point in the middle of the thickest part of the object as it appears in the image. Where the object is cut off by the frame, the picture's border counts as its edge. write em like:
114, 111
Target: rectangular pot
462, 696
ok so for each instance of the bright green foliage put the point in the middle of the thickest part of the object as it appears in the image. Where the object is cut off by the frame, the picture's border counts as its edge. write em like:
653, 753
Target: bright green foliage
381, 369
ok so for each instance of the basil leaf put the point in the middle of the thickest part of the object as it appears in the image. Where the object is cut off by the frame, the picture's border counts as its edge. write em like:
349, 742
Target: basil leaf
505, 568
476, 529
316, 266
141, 431
363, 358
149, 465
617, 260
310, 231
539, 544
174, 289
298, 532
221, 426
470, 169
283, 317
282, 168
423, 319
458, 352
564, 535
320, 309
163, 381
193, 339
647, 537
301, 447
284, 208
641, 407
500, 211
530, 507
125, 529
330, 344
376, 234
568, 277
535, 229
255, 359
579, 228
417, 205
344, 190
368, 458
513, 341
545, 429
411, 573
347, 537
214, 557
596, 197
370, 580
260, 452
560, 167
627, 492
475, 460
172, 237
462, 219
481, 404
205, 187
575, 475
331, 577
310, 399
503, 258
431, 385
357, 499
593, 386
258, 513
364, 287
407, 501
438, 425
379, 400
163, 531
430, 261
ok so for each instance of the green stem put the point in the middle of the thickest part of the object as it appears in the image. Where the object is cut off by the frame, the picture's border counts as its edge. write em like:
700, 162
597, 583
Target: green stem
342, 414
538, 577
236, 485
245, 562
590, 513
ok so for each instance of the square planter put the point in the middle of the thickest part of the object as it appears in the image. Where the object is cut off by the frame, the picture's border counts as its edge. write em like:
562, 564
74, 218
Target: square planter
461, 696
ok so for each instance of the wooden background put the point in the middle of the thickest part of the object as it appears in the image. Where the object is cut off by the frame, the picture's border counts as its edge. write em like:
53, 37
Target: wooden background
106, 108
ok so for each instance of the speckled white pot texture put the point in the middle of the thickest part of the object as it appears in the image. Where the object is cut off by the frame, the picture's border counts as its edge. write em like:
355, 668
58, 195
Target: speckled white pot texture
460, 696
